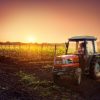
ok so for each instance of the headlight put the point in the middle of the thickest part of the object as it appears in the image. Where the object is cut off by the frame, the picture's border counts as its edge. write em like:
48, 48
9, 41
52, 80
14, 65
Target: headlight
67, 61
64, 61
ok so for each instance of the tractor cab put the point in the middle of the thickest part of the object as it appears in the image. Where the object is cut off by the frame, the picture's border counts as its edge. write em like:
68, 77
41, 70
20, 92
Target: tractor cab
81, 45
80, 59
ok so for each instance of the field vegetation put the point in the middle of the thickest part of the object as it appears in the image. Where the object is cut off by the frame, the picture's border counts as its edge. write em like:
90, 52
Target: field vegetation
32, 52
26, 74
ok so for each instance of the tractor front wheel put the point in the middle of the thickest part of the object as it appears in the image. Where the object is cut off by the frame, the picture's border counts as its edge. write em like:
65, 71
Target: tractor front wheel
78, 74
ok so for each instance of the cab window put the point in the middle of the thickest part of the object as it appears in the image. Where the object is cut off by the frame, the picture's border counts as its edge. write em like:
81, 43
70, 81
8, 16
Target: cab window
89, 47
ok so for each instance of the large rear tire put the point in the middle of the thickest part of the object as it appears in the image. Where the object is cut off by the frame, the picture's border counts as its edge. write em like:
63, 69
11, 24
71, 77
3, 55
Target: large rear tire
95, 69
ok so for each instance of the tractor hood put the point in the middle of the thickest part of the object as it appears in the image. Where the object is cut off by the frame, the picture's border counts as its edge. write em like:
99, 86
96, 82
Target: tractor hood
67, 59
67, 56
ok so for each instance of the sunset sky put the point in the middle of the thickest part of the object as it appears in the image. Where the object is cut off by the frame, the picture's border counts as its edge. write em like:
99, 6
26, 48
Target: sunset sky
48, 20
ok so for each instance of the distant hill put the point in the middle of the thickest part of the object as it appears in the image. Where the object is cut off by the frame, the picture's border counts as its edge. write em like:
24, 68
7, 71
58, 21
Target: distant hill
20, 43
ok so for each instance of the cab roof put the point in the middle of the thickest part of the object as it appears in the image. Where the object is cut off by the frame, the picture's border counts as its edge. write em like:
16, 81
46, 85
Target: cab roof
82, 38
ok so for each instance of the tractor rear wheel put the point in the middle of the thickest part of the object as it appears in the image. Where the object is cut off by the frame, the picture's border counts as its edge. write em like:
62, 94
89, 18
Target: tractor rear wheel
95, 69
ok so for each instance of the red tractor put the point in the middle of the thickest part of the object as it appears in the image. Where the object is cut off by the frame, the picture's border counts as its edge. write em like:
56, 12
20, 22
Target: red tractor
80, 59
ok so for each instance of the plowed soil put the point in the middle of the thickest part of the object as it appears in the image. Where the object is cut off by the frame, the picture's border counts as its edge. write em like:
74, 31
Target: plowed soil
12, 89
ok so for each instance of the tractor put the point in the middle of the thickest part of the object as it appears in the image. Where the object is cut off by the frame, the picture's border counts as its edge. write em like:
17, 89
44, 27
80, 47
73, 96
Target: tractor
80, 59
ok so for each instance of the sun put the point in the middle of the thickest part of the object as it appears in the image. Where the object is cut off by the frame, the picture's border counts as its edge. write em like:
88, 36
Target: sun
31, 39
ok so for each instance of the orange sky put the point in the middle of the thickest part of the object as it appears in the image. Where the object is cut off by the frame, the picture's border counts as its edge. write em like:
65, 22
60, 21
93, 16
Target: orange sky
48, 20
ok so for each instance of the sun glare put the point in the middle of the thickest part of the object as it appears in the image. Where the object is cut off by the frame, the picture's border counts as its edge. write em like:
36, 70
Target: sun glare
31, 39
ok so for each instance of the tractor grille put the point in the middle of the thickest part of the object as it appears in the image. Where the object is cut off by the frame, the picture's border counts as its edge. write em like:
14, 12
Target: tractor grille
65, 69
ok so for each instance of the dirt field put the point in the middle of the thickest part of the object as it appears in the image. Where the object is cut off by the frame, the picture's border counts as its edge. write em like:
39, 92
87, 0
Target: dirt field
33, 81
